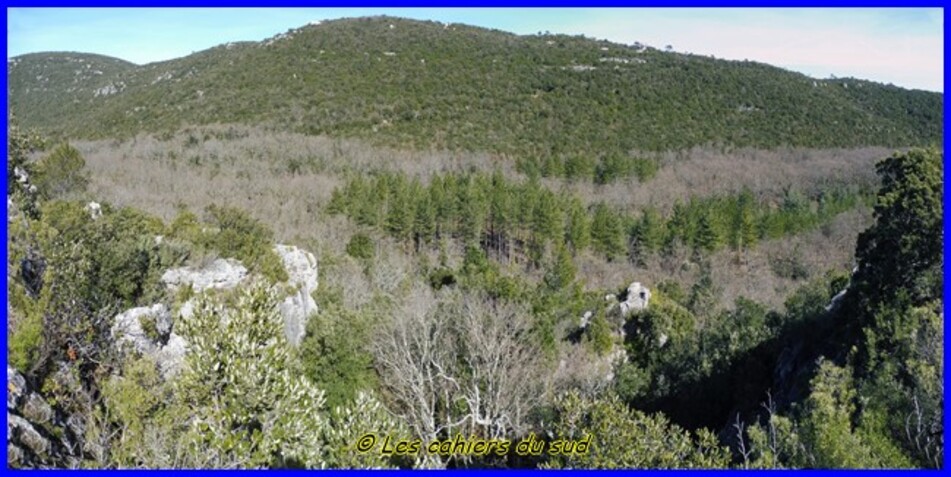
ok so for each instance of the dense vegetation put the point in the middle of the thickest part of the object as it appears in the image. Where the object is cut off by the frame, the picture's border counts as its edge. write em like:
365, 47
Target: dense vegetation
861, 386
520, 221
560, 104
480, 295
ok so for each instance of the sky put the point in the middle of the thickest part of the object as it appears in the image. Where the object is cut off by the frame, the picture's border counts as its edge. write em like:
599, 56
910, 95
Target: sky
902, 46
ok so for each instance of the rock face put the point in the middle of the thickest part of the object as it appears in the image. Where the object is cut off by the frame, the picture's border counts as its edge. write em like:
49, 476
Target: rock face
836, 300
220, 274
36, 435
638, 297
148, 330
301, 267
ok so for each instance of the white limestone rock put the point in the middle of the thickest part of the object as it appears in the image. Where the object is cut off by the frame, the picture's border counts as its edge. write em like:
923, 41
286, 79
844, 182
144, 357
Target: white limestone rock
638, 297
162, 345
298, 307
94, 209
220, 274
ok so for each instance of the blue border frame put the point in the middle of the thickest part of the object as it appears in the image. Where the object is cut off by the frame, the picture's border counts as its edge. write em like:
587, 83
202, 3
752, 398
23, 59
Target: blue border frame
497, 3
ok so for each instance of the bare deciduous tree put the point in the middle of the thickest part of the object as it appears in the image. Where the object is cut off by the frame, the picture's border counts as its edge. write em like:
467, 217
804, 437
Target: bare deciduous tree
460, 364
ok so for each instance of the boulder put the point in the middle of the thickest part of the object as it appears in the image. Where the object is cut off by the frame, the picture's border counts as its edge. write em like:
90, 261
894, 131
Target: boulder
219, 274
836, 300
171, 356
148, 330
11, 209
144, 328
637, 299
585, 319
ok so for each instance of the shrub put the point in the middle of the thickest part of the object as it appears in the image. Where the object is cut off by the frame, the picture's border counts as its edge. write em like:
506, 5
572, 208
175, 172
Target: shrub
238, 383
241, 236
361, 247
61, 174
25, 342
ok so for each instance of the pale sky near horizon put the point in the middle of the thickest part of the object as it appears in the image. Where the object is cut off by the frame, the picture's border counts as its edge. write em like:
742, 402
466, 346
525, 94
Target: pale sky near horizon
903, 46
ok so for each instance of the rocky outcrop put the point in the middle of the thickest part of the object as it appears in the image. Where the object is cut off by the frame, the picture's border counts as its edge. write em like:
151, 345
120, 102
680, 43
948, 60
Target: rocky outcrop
297, 307
219, 274
37, 436
94, 209
638, 297
148, 330
301, 267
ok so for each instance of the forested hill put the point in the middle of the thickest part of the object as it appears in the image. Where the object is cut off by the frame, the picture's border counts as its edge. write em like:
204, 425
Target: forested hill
433, 85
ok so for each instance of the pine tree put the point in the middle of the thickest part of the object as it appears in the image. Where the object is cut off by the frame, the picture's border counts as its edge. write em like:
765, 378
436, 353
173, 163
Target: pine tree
606, 233
424, 223
577, 225
707, 239
561, 271
743, 230
400, 212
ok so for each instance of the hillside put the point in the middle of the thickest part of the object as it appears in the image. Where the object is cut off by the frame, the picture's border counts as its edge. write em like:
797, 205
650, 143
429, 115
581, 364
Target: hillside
429, 85
376, 234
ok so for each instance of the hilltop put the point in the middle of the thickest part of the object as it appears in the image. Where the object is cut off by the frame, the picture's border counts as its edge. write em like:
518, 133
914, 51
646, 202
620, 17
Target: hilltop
426, 85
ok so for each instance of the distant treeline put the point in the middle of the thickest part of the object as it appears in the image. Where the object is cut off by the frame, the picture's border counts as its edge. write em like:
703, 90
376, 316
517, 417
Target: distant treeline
518, 220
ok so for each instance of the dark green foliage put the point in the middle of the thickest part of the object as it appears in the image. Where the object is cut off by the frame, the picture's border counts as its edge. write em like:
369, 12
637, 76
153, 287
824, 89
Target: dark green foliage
93, 268
905, 244
241, 236
441, 277
577, 225
361, 247
743, 233
525, 98
61, 174
606, 232
598, 335
647, 234
25, 341
521, 222
625, 438
335, 353
561, 271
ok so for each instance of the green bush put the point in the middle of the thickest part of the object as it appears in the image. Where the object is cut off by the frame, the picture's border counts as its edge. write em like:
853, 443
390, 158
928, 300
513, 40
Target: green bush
61, 173
25, 342
361, 247
240, 236
625, 438
336, 355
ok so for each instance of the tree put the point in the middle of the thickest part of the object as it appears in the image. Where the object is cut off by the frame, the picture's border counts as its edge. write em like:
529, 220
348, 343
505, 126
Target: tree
460, 365
903, 250
247, 408
707, 239
606, 233
828, 434
625, 438
61, 173
577, 225
743, 231
335, 353
424, 223
561, 271
400, 210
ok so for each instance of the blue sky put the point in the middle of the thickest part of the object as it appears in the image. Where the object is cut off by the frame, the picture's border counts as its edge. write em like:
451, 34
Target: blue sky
900, 46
